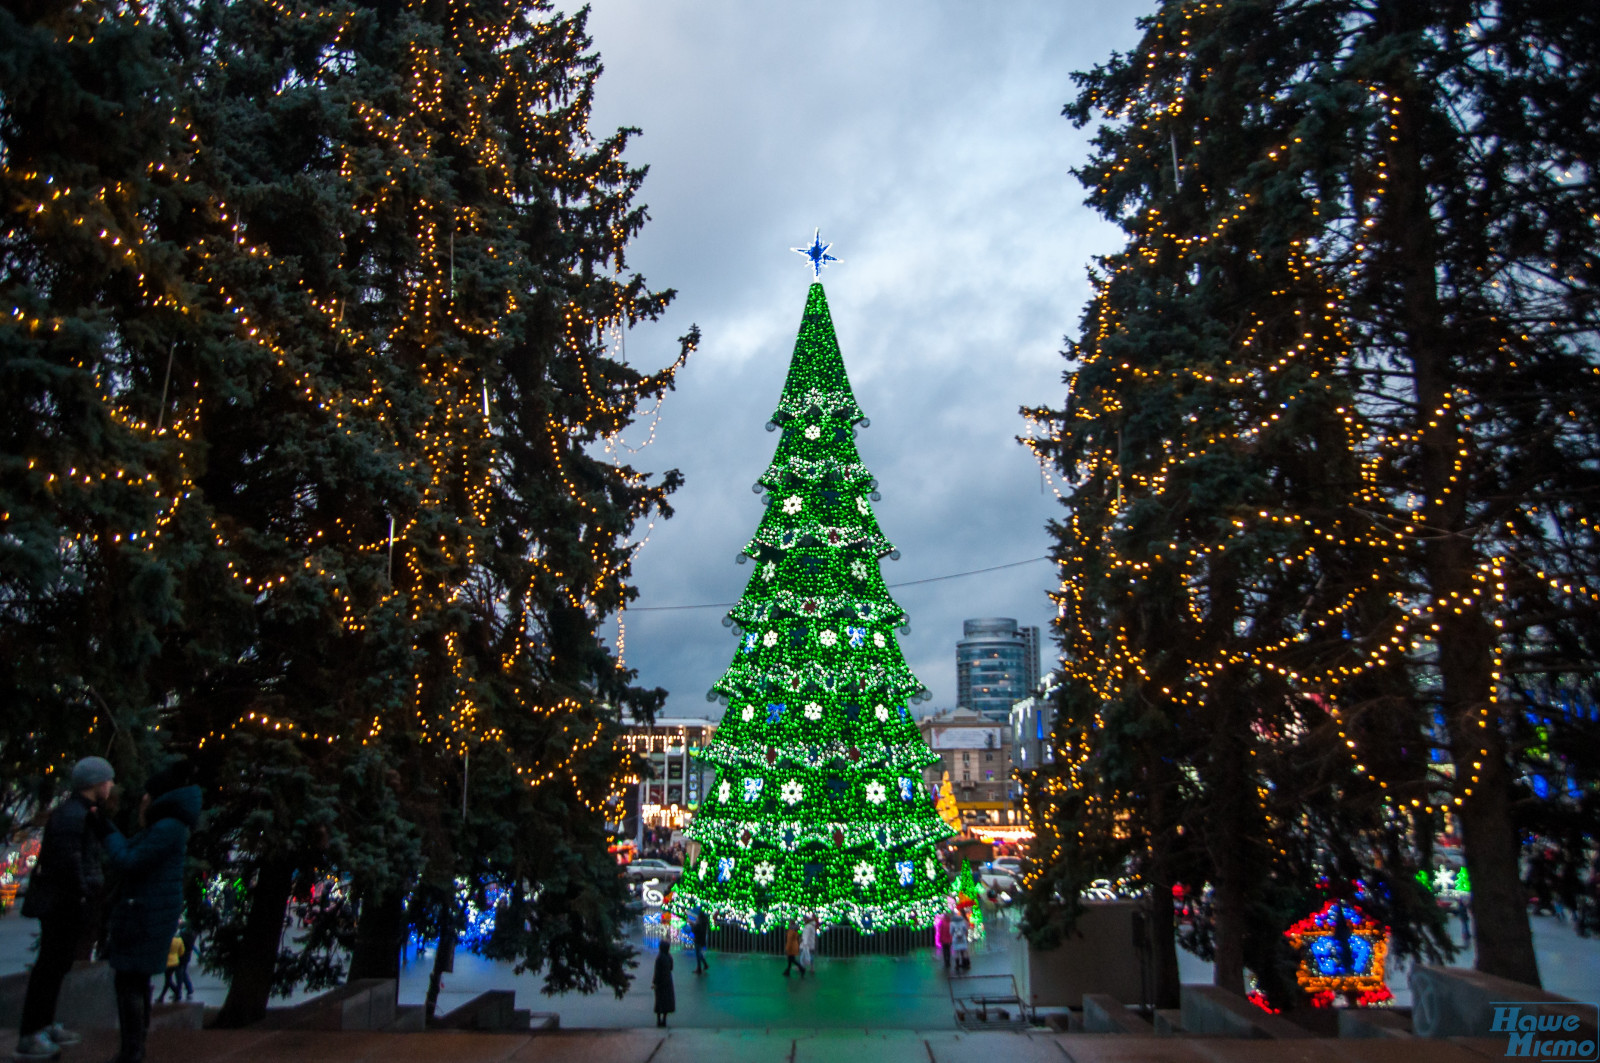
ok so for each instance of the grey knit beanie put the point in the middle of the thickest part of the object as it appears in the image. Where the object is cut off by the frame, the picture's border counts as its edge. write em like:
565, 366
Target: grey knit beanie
91, 771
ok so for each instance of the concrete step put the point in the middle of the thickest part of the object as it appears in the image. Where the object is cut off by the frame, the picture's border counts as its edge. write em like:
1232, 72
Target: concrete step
408, 1018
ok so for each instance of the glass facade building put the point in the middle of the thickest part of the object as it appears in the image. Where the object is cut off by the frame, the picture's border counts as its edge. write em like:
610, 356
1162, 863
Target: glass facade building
997, 664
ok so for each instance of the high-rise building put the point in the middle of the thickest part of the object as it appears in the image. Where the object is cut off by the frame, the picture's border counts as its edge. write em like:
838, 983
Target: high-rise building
997, 664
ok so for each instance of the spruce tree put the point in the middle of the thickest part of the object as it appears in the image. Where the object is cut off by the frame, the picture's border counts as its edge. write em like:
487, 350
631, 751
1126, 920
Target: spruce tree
393, 257
482, 248
1217, 595
1425, 152
818, 808
90, 312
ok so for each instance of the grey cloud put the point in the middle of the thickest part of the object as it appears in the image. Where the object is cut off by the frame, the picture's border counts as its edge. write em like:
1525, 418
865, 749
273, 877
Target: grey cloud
925, 139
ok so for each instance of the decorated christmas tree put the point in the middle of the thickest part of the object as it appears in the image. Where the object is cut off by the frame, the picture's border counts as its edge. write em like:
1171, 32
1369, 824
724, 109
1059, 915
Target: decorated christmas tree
949, 810
819, 806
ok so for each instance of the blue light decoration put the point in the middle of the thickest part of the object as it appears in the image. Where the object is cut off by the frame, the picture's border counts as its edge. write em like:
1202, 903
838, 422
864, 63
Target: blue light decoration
908, 789
1342, 951
724, 868
817, 254
905, 871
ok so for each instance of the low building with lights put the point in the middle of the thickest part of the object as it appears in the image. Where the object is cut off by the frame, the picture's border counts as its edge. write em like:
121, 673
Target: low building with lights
976, 753
678, 779
1032, 720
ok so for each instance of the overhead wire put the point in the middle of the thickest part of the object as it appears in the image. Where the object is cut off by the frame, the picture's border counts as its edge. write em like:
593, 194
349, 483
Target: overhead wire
891, 586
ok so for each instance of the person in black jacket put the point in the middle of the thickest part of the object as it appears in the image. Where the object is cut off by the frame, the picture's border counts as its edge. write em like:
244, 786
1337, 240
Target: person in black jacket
702, 931
666, 997
150, 900
63, 894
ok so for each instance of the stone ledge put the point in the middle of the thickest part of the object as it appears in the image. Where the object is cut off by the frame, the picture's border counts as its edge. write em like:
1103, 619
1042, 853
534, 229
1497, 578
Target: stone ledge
1103, 1013
1360, 1023
362, 1004
1459, 1002
1210, 1011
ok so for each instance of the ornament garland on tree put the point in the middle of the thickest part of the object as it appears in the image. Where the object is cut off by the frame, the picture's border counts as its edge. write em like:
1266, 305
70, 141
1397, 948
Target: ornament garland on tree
819, 808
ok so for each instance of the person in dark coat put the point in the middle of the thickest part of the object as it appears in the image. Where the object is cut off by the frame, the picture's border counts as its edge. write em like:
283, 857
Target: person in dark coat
63, 894
144, 918
666, 996
702, 930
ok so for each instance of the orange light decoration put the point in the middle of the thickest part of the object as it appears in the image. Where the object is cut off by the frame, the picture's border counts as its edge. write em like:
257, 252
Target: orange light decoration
1342, 952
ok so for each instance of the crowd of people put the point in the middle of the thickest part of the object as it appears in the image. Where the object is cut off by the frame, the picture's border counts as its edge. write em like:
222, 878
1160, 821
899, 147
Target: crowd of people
658, 844
1564, 882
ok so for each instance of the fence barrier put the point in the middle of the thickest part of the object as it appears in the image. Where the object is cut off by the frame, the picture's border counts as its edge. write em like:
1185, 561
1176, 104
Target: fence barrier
834, 941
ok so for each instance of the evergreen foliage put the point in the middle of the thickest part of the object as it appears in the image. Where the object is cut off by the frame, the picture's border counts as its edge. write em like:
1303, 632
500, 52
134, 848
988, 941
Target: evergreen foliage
386, 267
1329, 431
90, 308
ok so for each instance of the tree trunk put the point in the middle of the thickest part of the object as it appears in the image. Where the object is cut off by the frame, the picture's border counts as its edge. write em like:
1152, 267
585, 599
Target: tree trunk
1228, 921
250, 982
1159, 922
380, 928
444, 962
1225, 839
1465, 640
1163, 943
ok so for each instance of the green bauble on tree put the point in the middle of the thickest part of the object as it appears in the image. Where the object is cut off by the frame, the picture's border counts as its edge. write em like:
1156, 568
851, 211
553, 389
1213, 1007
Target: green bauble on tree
819, 807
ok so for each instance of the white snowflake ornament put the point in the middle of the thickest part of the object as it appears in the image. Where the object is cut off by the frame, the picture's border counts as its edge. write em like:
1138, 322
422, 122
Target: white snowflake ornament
770, 639
828, 638
877, 639
876, 794
813, 431
764, 873
792, 504
749, 713
813, 711
861, 505
724, 789
792, 792
865, 874
881, 712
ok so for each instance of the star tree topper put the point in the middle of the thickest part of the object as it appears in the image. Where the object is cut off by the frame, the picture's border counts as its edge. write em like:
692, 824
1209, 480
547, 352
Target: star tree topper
817, 254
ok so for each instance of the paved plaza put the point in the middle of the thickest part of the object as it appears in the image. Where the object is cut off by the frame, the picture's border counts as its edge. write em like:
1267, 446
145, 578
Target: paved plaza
761, 1046
875, 1008
745, 991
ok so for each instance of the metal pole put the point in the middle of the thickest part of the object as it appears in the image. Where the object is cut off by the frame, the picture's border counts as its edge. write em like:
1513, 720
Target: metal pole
165, 380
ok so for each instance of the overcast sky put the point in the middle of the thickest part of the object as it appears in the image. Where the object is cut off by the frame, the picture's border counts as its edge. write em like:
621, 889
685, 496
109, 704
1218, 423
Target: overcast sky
925, 139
